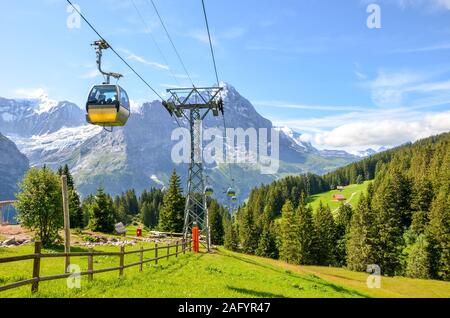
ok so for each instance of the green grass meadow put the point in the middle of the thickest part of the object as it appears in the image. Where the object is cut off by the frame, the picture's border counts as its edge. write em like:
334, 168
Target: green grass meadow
221, 274
350, 192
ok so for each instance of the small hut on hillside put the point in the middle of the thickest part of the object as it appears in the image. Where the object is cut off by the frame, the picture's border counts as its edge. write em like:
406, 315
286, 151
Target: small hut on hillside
338, 198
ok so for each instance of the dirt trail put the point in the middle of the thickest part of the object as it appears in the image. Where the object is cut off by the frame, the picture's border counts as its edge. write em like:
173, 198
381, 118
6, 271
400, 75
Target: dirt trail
348, 201
16, 231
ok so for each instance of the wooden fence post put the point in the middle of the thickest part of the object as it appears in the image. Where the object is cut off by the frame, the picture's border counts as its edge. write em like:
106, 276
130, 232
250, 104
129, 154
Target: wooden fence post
90, 265
183, 246
65, 199
122, 251
156, 253
36, 266
168, 250
176, 249
141, 258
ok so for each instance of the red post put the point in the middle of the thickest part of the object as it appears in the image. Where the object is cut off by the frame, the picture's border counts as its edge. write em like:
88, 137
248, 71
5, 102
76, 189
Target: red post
195, 239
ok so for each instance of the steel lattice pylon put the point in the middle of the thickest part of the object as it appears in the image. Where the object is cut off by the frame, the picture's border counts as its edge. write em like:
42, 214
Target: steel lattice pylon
194, 104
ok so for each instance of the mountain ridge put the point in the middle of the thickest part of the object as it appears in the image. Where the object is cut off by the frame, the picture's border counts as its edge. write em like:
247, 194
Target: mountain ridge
135, 156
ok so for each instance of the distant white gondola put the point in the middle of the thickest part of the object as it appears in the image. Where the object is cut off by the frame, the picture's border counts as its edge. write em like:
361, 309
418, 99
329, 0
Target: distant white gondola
231, 192
107, 106
209, 191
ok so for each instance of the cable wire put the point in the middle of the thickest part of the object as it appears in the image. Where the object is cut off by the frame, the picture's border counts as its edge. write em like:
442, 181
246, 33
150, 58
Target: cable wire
171, 41
115, 52
154, 41
218, 82
210, 42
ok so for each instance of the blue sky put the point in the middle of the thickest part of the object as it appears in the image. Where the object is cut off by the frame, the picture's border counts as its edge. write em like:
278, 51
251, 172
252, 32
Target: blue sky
312, 65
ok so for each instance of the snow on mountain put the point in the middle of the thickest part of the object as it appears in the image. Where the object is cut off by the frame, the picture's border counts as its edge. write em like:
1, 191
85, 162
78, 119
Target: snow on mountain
367, 152
52, 148
336, 153
28, 117
139, 154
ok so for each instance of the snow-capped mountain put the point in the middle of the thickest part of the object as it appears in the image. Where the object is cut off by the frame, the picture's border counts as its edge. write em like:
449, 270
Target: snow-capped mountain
139, 154
368, 152
28, 117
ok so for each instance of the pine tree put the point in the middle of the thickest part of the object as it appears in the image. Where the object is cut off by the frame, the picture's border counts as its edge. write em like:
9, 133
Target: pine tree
216, 223
343, 221
132, 205
392, 213
75, 210
66, 171
149, 215
86, 207
438, 235
172, 211
248, 232
305, 232
102, 213
120, 210
231, 241
360, 179
421, 204
418, 261
290, 243
267, 246
360, 242
325, 232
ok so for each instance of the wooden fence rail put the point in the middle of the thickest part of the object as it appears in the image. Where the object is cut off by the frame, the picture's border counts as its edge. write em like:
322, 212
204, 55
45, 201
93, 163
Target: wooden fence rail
37, 256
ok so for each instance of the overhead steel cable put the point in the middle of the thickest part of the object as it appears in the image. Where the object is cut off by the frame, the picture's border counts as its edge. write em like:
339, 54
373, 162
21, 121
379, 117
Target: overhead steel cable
115, 52
210, 42
217, 79
171, 41
148, 31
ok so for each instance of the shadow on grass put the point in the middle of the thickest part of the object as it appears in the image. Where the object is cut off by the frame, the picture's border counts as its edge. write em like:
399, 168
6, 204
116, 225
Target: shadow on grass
308, 277
60, 248
255, 293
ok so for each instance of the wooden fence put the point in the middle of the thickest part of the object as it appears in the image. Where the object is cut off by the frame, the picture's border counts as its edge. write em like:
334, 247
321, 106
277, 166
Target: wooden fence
180, 247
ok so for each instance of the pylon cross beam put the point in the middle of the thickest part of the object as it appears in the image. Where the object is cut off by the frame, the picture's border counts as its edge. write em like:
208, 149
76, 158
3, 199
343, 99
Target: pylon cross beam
194, 104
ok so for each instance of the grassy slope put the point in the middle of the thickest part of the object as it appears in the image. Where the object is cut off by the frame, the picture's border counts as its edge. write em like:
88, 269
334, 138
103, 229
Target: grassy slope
221, 274
326, 197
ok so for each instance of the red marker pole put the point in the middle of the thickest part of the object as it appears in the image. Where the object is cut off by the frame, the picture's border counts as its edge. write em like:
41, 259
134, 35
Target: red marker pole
195, 239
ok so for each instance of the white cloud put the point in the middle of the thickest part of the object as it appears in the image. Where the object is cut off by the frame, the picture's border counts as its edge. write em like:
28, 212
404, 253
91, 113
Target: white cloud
282, 104
393, 89
442, 3
171, 85
375, 133
30, 92
233, 33
431, 4
201, 35
133, 57
430, 48
91, 74
388, 89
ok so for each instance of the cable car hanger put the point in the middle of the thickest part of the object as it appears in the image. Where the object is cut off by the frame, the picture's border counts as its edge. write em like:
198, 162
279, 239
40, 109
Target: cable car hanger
103, 43
99, 46
107, 105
